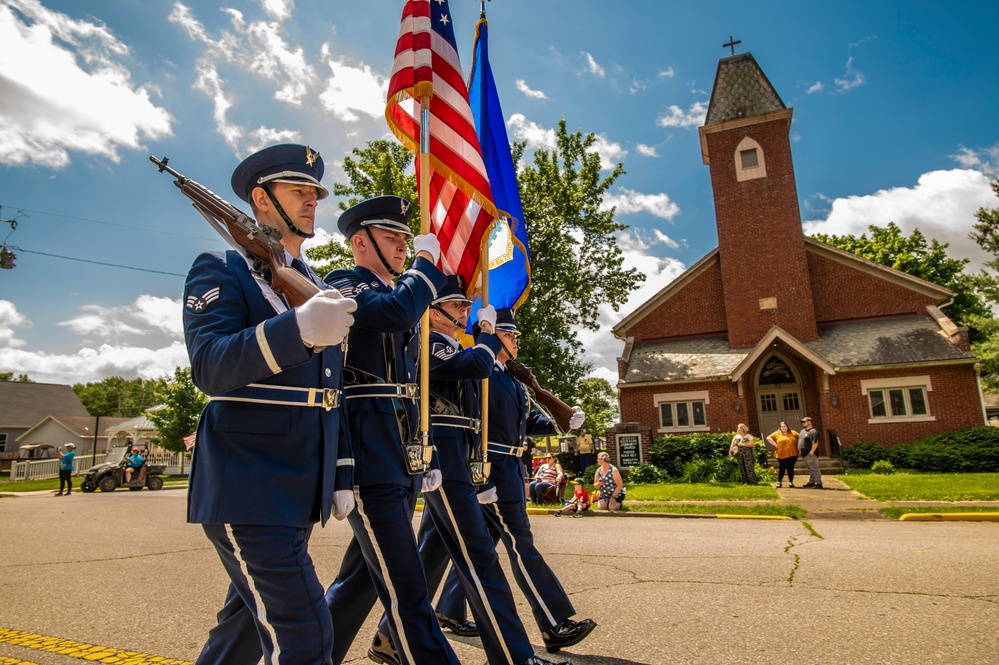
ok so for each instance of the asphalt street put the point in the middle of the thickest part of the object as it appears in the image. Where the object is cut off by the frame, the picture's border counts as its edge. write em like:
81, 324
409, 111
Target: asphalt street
121, 578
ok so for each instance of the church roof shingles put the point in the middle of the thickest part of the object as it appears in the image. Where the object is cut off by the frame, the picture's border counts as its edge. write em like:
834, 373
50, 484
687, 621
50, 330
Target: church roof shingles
855, 344
741, 90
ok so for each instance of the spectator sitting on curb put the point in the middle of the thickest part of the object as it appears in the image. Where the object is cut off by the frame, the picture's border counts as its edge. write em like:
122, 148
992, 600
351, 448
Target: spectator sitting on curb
580, 500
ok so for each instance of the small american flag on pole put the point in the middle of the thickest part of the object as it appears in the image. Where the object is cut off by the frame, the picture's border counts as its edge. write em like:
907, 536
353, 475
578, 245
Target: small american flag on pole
189, 440
426, 64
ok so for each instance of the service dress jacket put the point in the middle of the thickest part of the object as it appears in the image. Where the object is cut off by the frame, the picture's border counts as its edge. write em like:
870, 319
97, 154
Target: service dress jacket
392, 311
258, 463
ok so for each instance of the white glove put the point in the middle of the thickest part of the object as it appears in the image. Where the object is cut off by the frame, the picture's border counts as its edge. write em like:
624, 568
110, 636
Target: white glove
489, 496
487, 315
427, 243
577, 418
325, 318
343, 503
432, 480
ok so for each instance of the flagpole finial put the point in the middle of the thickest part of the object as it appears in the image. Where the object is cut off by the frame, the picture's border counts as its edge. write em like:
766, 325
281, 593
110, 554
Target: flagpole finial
482, 8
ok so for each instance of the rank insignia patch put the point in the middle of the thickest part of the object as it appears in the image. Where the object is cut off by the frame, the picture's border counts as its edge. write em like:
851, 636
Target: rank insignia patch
198, 304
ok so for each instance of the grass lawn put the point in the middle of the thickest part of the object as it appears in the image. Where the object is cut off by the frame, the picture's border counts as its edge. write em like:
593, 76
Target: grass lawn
700, 492
894, 512
926, 486
53, 484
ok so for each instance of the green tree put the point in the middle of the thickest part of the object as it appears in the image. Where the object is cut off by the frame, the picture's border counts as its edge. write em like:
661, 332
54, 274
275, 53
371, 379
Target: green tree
986, 234
182, 404
379, 169
598, 399
576, 264
20, 378
924, 259
115, 396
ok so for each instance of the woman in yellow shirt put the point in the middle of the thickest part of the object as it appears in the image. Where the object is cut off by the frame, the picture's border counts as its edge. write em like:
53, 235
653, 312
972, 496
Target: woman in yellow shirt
785, 440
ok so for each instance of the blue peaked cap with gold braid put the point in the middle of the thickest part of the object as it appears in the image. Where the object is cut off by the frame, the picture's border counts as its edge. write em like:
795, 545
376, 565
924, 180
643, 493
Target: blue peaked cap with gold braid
287, 162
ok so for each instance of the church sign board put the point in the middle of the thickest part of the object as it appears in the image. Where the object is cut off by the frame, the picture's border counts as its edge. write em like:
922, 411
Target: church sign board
629, 450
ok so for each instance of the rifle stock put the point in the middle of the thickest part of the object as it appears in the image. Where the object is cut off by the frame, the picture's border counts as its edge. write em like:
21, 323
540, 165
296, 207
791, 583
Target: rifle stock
559, 410
262, 243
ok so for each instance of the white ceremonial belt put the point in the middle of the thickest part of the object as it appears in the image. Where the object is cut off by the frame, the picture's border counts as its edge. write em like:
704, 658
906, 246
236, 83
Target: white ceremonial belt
260, 393
503, 449
442, 420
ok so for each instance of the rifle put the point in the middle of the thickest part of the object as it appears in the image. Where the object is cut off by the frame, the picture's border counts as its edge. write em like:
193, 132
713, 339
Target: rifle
252, 240
549, 403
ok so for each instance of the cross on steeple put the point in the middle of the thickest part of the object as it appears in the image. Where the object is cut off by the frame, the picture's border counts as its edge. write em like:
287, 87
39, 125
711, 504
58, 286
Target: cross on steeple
731, 43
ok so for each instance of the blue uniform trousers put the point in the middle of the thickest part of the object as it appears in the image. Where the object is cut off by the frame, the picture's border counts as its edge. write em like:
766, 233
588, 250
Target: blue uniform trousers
454, 529
274, 602
382, 562
507, 521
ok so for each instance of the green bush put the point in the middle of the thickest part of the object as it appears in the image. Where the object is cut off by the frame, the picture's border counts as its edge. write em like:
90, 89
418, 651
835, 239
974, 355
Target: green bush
766, 474
883, 467
865, 453
672, 453
972, 450
899, 456
645, 474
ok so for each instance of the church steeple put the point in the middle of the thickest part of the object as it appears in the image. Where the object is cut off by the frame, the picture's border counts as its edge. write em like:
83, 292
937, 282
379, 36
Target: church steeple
761, 247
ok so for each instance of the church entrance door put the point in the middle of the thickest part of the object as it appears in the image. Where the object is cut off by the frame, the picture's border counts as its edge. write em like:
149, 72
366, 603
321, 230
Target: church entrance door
778, 395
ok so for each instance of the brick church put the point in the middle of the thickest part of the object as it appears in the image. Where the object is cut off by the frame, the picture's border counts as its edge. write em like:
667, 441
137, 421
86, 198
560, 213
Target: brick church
772, 325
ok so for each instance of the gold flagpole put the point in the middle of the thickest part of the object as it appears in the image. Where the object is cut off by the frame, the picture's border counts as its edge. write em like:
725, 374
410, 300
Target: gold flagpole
484, 425
425, 318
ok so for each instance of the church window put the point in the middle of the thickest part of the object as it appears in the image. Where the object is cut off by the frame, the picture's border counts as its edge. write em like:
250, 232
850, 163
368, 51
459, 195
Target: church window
900, 399
750, 162
680, 412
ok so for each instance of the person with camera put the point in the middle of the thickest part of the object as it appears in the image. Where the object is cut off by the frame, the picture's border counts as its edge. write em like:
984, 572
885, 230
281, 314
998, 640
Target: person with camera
66, 468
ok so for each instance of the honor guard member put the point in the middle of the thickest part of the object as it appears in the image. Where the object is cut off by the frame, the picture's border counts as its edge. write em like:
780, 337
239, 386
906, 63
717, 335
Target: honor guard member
453, 527
392, 463
272, 457
511, 421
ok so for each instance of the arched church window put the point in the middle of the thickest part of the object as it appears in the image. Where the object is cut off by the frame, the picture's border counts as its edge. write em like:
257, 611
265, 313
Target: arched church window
749, 160
776, 372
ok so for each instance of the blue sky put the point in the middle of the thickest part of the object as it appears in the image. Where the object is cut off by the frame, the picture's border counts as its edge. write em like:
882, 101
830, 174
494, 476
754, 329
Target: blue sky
894, 106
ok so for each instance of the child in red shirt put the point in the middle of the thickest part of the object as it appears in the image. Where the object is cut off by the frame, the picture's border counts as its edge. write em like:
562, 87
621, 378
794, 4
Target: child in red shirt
580, 500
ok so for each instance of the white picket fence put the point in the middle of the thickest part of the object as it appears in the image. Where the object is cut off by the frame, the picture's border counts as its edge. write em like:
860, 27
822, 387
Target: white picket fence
49, 468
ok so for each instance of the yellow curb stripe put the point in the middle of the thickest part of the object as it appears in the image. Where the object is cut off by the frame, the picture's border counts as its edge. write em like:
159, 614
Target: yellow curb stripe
949, 517
752, 517
80, 650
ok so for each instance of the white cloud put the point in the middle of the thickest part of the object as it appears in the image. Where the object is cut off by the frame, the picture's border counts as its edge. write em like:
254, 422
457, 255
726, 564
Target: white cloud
94, 364
147, 316
353, 89
279, 10
10, 318
257, 47
852, 78
815, 87
667, 73
534, 94
64, 88
602, 348
629, 202
592, 66
610, 152
985, 160
677, 117
141, 339
647, 150
941, 205
533, 134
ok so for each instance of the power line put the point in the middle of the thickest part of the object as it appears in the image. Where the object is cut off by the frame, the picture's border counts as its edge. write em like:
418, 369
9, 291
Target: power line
98, 221
100, 263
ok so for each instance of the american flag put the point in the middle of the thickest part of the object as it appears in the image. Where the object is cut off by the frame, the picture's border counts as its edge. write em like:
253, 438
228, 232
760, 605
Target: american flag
189, 440
461, 201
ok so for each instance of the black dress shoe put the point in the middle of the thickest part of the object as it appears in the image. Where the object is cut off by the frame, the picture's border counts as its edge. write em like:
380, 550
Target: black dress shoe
567, 633
808, 485
538, 660
382, 650
464, 628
